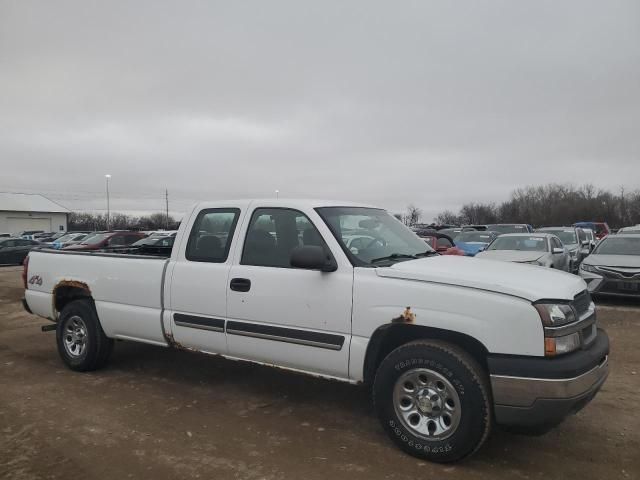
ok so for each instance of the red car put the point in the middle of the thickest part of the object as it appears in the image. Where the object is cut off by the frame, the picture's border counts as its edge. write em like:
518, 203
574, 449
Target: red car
441, 243
107, 240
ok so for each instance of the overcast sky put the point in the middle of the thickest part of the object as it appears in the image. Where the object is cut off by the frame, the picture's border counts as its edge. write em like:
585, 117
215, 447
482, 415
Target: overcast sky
390, 103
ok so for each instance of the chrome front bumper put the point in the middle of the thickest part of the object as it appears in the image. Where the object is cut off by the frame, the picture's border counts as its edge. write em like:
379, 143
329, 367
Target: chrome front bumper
524, 392
538, 393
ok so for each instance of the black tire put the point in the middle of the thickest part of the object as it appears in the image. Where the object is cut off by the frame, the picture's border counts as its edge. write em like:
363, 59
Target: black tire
95, 348
467, 384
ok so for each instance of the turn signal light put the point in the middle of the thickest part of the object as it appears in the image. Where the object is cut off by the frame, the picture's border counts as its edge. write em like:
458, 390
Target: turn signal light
549, 347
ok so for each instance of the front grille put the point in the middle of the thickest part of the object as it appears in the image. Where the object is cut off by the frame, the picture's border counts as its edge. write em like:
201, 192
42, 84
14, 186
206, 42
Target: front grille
619, 272
581, 302
628, 288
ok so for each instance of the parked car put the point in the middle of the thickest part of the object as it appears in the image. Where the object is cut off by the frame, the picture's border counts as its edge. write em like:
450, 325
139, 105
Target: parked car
591, 237
29, 234
613, 268
49, 237
633, 229
601, 229
540, 249
156, 240
14, 250
107, 240
455, 231
449, 346
480, 228
441, 243
5, 235
510, 228
85, 239
574, 239
472, 242
67, 240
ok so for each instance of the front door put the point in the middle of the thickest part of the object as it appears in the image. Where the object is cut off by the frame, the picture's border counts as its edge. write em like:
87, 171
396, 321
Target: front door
288, 316
199, 281
560, 260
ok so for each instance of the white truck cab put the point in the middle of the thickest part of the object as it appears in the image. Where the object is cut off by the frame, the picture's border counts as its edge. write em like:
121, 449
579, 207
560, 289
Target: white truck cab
450, 345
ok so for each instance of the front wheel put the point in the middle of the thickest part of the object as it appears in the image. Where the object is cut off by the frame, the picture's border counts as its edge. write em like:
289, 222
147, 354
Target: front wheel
433, 400
82, 344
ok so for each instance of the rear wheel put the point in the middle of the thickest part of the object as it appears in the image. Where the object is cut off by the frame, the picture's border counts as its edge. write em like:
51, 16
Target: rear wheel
433, 400
82, 344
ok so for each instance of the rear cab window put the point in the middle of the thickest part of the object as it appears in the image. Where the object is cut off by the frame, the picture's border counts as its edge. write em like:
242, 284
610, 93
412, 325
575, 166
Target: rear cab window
211, 235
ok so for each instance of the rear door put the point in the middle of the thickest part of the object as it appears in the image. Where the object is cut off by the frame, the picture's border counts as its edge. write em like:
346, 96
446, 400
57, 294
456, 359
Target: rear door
287, 316
199, 278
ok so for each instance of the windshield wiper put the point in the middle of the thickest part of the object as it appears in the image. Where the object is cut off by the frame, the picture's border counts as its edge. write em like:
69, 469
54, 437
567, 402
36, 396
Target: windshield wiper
393, 256
428, 253
396, 256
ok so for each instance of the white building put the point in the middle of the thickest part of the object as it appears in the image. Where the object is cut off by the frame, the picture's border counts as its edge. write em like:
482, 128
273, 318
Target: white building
23, 211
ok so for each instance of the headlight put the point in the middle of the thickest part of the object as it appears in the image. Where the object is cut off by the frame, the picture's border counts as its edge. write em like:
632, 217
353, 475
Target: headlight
555, 314
588, 268
554, 317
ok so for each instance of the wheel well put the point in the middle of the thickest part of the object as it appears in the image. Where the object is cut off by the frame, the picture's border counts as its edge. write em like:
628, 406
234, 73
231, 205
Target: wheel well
389, 337
68, 291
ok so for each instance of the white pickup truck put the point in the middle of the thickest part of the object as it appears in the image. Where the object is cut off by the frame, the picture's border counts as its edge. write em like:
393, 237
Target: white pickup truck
449, 345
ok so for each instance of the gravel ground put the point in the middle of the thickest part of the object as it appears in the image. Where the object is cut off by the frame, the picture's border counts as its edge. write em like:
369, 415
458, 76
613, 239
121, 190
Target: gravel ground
160, 413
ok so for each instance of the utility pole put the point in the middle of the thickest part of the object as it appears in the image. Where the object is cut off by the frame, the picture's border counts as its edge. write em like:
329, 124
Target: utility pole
107, 176
166, 198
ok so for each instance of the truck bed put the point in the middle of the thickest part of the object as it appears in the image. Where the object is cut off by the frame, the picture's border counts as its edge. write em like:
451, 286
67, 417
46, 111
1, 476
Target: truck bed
127, 289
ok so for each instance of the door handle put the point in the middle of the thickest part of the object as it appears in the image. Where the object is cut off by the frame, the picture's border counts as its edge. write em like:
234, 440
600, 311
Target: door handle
240, 284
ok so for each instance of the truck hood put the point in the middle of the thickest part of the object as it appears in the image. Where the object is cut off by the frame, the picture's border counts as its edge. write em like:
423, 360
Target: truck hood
522, 281
613, 260
511, 255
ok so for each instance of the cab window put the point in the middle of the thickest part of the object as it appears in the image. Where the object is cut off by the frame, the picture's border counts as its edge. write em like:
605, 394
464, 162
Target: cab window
272, 235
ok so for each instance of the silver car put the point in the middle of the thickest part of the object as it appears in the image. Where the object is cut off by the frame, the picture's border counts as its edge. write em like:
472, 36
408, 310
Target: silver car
634, 229
542, 249
575, 241
614, 266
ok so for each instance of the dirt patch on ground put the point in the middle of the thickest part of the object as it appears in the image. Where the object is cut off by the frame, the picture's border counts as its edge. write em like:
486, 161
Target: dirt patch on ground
160, 413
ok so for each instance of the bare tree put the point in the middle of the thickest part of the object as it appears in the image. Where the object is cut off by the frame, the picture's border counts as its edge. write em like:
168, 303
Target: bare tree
413, 215
553, 204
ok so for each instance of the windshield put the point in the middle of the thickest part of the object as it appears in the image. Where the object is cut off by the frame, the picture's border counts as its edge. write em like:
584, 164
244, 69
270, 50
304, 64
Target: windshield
505, 228
66, 238
567, 236
372, 237
618, 246
481, 237
521, 243
95, 239
452, 232
159, 241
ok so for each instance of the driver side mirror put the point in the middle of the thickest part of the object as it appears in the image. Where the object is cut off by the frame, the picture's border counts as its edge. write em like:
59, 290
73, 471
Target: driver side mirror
312, 257
557, 251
